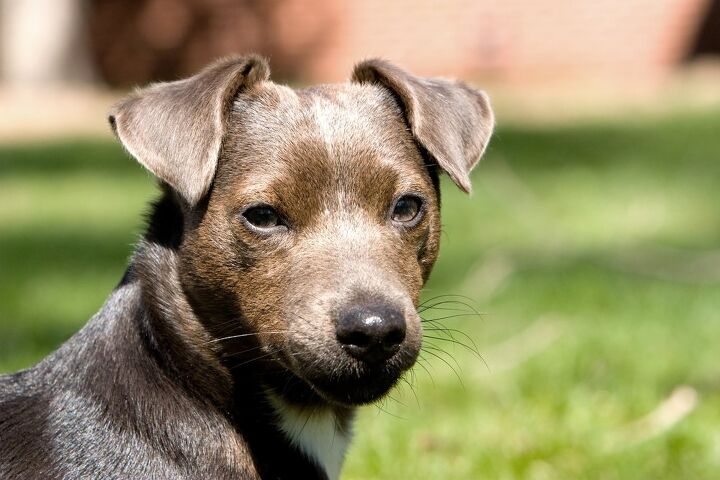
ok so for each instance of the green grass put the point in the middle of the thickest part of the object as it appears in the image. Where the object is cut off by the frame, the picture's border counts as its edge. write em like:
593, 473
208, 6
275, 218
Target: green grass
591, 249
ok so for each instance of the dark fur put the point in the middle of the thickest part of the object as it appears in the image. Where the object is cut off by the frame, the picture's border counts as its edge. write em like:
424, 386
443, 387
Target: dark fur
171, 378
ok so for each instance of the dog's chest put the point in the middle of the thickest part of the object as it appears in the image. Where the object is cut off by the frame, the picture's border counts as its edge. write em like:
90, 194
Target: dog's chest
316, 433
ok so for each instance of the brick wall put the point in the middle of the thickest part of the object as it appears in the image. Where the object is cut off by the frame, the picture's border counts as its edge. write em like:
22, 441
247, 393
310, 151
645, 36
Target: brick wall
513, 39
319, 40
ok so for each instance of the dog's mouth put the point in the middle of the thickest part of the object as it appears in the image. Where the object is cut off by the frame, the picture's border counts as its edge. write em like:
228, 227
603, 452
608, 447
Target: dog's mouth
355, 389
345, 381
355, 359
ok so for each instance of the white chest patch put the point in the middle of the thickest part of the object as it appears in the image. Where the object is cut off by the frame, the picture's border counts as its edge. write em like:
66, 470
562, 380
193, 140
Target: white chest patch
316, 433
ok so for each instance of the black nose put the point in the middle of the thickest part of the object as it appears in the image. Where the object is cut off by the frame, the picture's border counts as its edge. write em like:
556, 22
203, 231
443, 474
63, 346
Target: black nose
371, 333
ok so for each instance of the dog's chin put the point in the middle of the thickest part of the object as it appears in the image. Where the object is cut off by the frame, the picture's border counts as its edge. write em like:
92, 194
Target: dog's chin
354, 390
353, 383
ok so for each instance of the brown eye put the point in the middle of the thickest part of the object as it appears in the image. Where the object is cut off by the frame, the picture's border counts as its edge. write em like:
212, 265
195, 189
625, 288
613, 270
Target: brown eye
407, 210
263, 218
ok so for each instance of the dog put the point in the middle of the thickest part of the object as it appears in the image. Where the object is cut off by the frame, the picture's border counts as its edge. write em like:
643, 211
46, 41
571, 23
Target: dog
275, 288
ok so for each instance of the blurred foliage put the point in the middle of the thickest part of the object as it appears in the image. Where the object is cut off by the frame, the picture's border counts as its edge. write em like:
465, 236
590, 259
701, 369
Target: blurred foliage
591, 250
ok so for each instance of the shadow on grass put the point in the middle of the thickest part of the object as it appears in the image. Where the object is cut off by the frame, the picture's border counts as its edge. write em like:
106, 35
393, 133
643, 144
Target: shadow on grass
671, 144
25, 256
65, 157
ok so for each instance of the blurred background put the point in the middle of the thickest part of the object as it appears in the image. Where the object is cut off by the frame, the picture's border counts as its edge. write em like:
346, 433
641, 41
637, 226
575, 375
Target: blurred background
574, 312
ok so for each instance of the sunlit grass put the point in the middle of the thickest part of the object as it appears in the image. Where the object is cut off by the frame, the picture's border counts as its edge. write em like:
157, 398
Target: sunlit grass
573, 246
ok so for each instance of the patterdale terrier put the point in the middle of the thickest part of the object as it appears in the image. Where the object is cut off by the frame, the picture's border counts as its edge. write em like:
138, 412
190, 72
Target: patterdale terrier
276, 286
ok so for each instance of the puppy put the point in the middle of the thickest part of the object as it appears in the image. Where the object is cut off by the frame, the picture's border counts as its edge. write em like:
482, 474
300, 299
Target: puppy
275, 288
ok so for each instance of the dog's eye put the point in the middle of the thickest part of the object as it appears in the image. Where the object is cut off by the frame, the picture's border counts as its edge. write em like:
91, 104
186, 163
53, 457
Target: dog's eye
262, 217
407, 209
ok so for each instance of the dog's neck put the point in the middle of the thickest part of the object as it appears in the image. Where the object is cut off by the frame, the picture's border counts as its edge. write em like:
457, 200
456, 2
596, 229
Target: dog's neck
248, 393
322, 435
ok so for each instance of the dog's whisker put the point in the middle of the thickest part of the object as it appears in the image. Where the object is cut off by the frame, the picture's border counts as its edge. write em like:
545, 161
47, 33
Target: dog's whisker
296, 315
440, 331
448, 317
448, 307
307, 419
432, 309
442, 309
421, 362
260, 357
437, 325
413, 377
437, 305
449, 332
396, 400
412, 389
389, 413
254, 334
469, 303
429, 350
449, 295
237, 354
441, 350
471, 349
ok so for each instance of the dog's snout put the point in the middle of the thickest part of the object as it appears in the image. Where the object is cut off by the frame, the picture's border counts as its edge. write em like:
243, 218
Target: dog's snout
371, 333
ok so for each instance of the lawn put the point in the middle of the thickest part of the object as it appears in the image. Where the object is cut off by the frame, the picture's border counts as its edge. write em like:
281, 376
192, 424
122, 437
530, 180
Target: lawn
591, 251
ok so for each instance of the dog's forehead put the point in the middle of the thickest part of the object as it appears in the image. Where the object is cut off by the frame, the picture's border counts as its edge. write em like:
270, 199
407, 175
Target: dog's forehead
344, 144
332, 123
338, 111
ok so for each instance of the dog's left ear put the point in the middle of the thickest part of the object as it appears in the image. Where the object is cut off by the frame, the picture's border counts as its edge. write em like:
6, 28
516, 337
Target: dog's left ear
451, 120
175, 129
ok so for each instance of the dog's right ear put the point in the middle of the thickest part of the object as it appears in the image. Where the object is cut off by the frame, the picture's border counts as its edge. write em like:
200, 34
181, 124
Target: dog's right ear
175, 129
450, 119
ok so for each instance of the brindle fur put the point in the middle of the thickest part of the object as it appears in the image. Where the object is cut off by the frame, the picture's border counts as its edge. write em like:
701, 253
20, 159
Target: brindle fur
171, 379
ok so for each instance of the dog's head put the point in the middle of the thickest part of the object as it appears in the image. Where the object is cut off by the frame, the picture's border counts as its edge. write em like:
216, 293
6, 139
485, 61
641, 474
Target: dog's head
311, 217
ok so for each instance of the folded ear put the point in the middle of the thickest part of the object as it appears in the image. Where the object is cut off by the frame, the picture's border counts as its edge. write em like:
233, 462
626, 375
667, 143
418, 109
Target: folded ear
175, 129
451, 120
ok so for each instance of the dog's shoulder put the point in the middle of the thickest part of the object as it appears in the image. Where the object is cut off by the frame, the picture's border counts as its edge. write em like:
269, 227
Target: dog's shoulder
24, 412
100, 407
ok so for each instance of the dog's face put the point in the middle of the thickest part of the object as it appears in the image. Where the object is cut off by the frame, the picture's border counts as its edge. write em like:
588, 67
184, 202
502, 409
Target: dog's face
312, 234
321, 226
